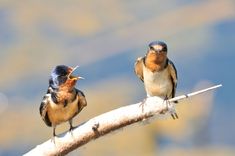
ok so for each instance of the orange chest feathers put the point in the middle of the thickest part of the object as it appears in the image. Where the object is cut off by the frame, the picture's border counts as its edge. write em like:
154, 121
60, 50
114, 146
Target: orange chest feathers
155, 62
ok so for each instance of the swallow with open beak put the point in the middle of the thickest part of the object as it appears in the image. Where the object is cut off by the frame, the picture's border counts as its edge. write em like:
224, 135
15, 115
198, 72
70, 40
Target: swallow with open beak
157, 72
62, 101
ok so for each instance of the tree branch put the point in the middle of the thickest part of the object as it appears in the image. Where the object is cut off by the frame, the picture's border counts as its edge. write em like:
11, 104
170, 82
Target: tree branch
106, 123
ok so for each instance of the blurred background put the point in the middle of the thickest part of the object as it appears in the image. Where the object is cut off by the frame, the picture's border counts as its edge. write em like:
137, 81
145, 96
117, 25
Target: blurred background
104, 37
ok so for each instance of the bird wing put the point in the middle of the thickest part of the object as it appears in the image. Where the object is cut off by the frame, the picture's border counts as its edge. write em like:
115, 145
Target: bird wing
139, 68
173, 74
81, 100
43, 110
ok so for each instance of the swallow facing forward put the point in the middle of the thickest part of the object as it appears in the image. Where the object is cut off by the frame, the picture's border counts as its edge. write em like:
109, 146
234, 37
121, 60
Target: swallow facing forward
157, 72
62, 101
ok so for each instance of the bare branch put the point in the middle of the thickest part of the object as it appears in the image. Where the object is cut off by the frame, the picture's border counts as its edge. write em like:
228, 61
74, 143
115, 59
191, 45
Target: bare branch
106, 123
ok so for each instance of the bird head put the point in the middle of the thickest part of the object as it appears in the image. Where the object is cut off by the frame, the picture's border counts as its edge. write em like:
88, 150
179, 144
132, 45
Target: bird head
61, 77
157, 51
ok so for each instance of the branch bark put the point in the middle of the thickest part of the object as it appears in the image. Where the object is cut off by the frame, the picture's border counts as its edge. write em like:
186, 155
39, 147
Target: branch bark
106, 123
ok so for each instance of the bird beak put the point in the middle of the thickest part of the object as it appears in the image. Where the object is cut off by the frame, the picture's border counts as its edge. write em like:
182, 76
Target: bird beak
74, 77
80, 78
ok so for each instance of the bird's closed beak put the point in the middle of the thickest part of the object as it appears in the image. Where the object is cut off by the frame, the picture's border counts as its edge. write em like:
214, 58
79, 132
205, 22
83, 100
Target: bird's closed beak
74, 77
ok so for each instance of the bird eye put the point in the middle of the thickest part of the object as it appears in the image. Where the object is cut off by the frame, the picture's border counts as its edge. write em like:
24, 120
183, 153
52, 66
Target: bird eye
62, 79
164, 49
151, 48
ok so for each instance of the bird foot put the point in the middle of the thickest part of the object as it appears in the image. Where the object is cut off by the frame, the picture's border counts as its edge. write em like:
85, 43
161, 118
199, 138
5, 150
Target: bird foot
142, 104
53, 139
95, 126
171, 109
71, 128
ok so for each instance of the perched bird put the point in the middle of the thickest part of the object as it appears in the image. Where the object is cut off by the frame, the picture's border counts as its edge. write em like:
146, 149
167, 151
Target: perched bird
157, 72
62, 101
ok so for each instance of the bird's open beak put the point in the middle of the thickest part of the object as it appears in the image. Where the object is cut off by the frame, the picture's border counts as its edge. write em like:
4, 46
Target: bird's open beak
79, 77
74, 77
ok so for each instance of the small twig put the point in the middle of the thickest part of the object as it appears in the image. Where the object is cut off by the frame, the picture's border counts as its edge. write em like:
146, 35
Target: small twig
106, 123
194, 93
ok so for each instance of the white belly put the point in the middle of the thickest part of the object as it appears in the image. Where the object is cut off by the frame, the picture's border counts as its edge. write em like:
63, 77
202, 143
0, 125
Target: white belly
158, 83
57, 113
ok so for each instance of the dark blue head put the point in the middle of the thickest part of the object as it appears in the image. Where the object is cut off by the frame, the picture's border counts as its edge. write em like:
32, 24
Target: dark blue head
158, 46
59, 75
157, 53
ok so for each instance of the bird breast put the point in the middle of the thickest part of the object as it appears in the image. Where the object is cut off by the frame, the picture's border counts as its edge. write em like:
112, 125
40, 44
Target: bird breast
157, 83
57, 113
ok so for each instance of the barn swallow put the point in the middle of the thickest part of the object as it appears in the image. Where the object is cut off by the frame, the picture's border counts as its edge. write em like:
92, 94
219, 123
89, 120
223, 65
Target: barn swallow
157, 72
62, 101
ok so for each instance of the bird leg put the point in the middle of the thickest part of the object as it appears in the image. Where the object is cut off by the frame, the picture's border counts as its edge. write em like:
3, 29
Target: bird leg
71, 125
54, 131
54, 135
171, 109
